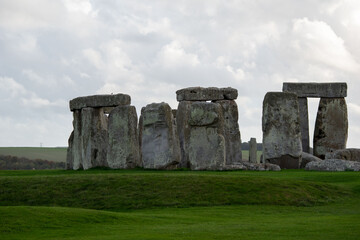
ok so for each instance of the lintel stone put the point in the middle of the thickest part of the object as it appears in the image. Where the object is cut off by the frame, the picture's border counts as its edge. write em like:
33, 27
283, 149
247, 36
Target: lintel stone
206, 94
109, 100
317, 90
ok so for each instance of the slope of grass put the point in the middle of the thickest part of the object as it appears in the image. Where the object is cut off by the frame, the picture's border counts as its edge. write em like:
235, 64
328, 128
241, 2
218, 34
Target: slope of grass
119, 190
228, 222
57, 154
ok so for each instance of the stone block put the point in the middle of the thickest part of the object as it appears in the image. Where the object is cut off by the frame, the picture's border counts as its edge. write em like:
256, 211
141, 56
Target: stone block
253, 150
350, 154
97, 101
331, 126
333, 165
123, 147
281, 130
319, 90
206, 94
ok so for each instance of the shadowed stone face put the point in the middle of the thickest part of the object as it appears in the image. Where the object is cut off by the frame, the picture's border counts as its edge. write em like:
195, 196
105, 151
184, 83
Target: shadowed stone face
123, 148
159, 141
281, 130
331, 127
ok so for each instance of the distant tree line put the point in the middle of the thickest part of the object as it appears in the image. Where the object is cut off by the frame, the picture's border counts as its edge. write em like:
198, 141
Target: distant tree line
246, 146
21, 163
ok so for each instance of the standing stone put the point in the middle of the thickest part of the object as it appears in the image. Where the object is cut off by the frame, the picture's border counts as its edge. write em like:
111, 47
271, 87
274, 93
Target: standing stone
94, 138
304, 124
159, 141
231, 131
74, 159
281, 130
206, 142
331, 127
123, 148
183, 129
253, 151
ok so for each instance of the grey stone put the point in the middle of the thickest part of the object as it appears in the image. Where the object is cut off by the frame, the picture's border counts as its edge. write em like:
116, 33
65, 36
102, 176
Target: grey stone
160, 147
123, 147
74, 159
183, 129
261, 167
331, 127
281, 130
350, 154
333, 165
97, 101
233, 167
231, 131
206, 94
253, 151
328, 90
304, 124
306, 158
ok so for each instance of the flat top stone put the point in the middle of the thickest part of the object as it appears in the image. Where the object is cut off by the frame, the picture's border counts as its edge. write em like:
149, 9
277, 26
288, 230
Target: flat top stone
109, 100
326, 90
206, 94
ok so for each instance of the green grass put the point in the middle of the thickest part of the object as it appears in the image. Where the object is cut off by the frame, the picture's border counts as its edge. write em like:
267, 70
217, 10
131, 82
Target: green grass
56, 154
292, 204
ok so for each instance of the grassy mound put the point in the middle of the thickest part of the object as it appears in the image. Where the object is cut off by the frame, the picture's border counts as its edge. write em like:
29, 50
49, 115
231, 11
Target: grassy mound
120, 190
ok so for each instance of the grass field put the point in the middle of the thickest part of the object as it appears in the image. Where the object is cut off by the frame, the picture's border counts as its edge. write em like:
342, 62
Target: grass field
57, 154
138, 204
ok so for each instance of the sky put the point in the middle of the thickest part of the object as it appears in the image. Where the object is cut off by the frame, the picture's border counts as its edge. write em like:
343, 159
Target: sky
54, 51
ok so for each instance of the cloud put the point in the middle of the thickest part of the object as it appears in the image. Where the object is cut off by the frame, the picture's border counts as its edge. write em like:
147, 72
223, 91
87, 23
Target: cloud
173, 55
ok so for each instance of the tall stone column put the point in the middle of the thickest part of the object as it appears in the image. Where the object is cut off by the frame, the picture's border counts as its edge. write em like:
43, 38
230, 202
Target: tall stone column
253, 151
281, 130
304, 123
331, 127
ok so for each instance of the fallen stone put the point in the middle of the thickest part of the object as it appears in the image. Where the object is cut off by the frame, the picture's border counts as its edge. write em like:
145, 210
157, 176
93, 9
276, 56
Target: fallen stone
350, 154
123, 147
331, 126
233, 167
206, 94
160, 147
97, 101
307, 157
333, 165
261, 167
281, 130
326, 90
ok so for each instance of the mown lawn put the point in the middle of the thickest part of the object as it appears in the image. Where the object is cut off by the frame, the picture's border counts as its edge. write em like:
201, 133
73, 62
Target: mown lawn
55, 154
142, 204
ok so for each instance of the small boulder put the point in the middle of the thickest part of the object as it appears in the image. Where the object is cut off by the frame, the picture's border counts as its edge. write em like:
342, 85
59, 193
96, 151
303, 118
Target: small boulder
350, 154
307, 157
333, 165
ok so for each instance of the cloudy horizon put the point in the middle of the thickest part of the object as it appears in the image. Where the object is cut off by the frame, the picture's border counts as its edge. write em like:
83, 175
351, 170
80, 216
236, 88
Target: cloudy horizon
54, 51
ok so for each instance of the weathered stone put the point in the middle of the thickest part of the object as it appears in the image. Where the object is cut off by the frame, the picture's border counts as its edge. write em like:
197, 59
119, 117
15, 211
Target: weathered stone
350, 154
123, 147
231, 131
233, 167
74, 159
327, 90
206, 142
281, 130
69, 154
253, 150
261, 167
304, 123
206, 94
159, 140
331, 127
97, 101
183, 128
306, 158
333, 165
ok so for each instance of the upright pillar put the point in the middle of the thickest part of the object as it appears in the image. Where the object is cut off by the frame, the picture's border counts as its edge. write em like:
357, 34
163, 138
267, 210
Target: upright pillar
304, 123
253, 151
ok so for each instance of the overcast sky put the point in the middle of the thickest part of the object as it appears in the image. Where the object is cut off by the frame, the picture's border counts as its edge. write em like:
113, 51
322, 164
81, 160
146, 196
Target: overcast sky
53, 51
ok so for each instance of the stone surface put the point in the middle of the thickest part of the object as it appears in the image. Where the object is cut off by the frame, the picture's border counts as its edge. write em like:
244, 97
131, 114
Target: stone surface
253, 150
350, 154
160, 147
304, 124
261, 167
231, 131
306, 158
88, 143
123, 147
183, 128
333, 165
206, 94
281, 130
97, 101
327, 90
206, 142
331, 127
